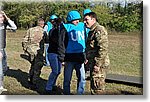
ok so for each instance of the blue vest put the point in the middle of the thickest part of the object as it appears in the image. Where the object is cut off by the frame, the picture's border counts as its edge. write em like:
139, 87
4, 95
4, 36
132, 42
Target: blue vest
76, 38
87, 31
49, 24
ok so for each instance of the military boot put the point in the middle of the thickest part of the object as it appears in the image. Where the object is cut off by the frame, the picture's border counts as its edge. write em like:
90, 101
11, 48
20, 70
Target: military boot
31, 84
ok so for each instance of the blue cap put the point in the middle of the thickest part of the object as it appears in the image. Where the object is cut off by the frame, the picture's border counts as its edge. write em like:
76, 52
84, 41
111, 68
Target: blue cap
86, 11
73, 15
52, 17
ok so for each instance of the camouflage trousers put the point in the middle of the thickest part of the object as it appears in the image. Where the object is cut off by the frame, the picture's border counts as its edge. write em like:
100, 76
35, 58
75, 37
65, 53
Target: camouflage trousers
97, 78
37, 62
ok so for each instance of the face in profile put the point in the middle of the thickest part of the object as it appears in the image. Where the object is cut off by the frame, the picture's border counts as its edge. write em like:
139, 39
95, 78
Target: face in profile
88, 21
41, 23
1, 18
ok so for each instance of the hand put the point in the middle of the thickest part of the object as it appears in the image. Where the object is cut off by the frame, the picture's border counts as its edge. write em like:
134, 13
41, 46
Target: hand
4, 14
86, 61
96, 69
63, 63
1, 55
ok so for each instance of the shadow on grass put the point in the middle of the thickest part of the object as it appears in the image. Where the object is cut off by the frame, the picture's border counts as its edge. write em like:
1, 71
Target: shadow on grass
25, 56
41, 83
22, 78
127, 93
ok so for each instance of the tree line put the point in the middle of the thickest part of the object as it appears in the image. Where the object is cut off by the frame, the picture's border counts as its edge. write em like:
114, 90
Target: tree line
117, 18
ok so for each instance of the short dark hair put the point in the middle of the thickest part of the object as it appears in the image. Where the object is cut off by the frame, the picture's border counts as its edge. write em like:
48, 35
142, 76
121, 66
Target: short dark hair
40, 19
92, 15
57, 22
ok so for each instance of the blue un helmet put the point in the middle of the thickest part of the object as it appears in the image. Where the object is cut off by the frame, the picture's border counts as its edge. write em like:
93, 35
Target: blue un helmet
86, 11
73, 15
52, 17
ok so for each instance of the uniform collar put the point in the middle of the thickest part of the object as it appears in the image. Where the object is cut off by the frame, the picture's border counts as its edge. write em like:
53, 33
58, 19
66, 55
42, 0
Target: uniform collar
94, 26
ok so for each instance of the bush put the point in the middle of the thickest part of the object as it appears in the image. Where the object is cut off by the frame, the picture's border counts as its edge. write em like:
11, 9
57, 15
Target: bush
122, 19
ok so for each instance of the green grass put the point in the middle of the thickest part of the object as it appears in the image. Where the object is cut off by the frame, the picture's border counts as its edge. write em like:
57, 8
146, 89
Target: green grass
125, 52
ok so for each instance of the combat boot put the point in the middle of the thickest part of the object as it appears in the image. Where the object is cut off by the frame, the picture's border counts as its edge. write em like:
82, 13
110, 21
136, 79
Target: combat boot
32, 85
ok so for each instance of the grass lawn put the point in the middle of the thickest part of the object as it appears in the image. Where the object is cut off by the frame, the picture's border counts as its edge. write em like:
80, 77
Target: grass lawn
125, 52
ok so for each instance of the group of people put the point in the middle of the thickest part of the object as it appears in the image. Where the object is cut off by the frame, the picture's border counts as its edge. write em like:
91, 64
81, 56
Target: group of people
82, 46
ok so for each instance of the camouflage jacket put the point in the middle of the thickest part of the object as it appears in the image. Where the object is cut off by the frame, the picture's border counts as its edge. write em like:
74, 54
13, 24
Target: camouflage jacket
97, 46
33, 39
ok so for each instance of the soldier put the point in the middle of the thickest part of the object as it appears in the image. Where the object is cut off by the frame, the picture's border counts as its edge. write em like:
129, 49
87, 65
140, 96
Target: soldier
4, 22
97, 53
33, 44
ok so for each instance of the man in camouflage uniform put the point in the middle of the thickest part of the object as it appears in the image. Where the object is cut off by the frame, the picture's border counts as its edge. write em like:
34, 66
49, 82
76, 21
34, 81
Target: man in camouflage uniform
33, 44
97, 53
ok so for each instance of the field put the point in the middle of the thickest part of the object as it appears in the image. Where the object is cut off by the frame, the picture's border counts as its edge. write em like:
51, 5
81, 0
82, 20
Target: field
126, 56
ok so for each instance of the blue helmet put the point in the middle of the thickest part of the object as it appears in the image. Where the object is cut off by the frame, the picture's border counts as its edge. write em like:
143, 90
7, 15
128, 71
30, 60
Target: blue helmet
52, 17
86, 11
73, 15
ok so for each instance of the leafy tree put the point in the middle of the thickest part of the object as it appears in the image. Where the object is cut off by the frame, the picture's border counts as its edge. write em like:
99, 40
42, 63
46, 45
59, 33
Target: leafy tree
124, 19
